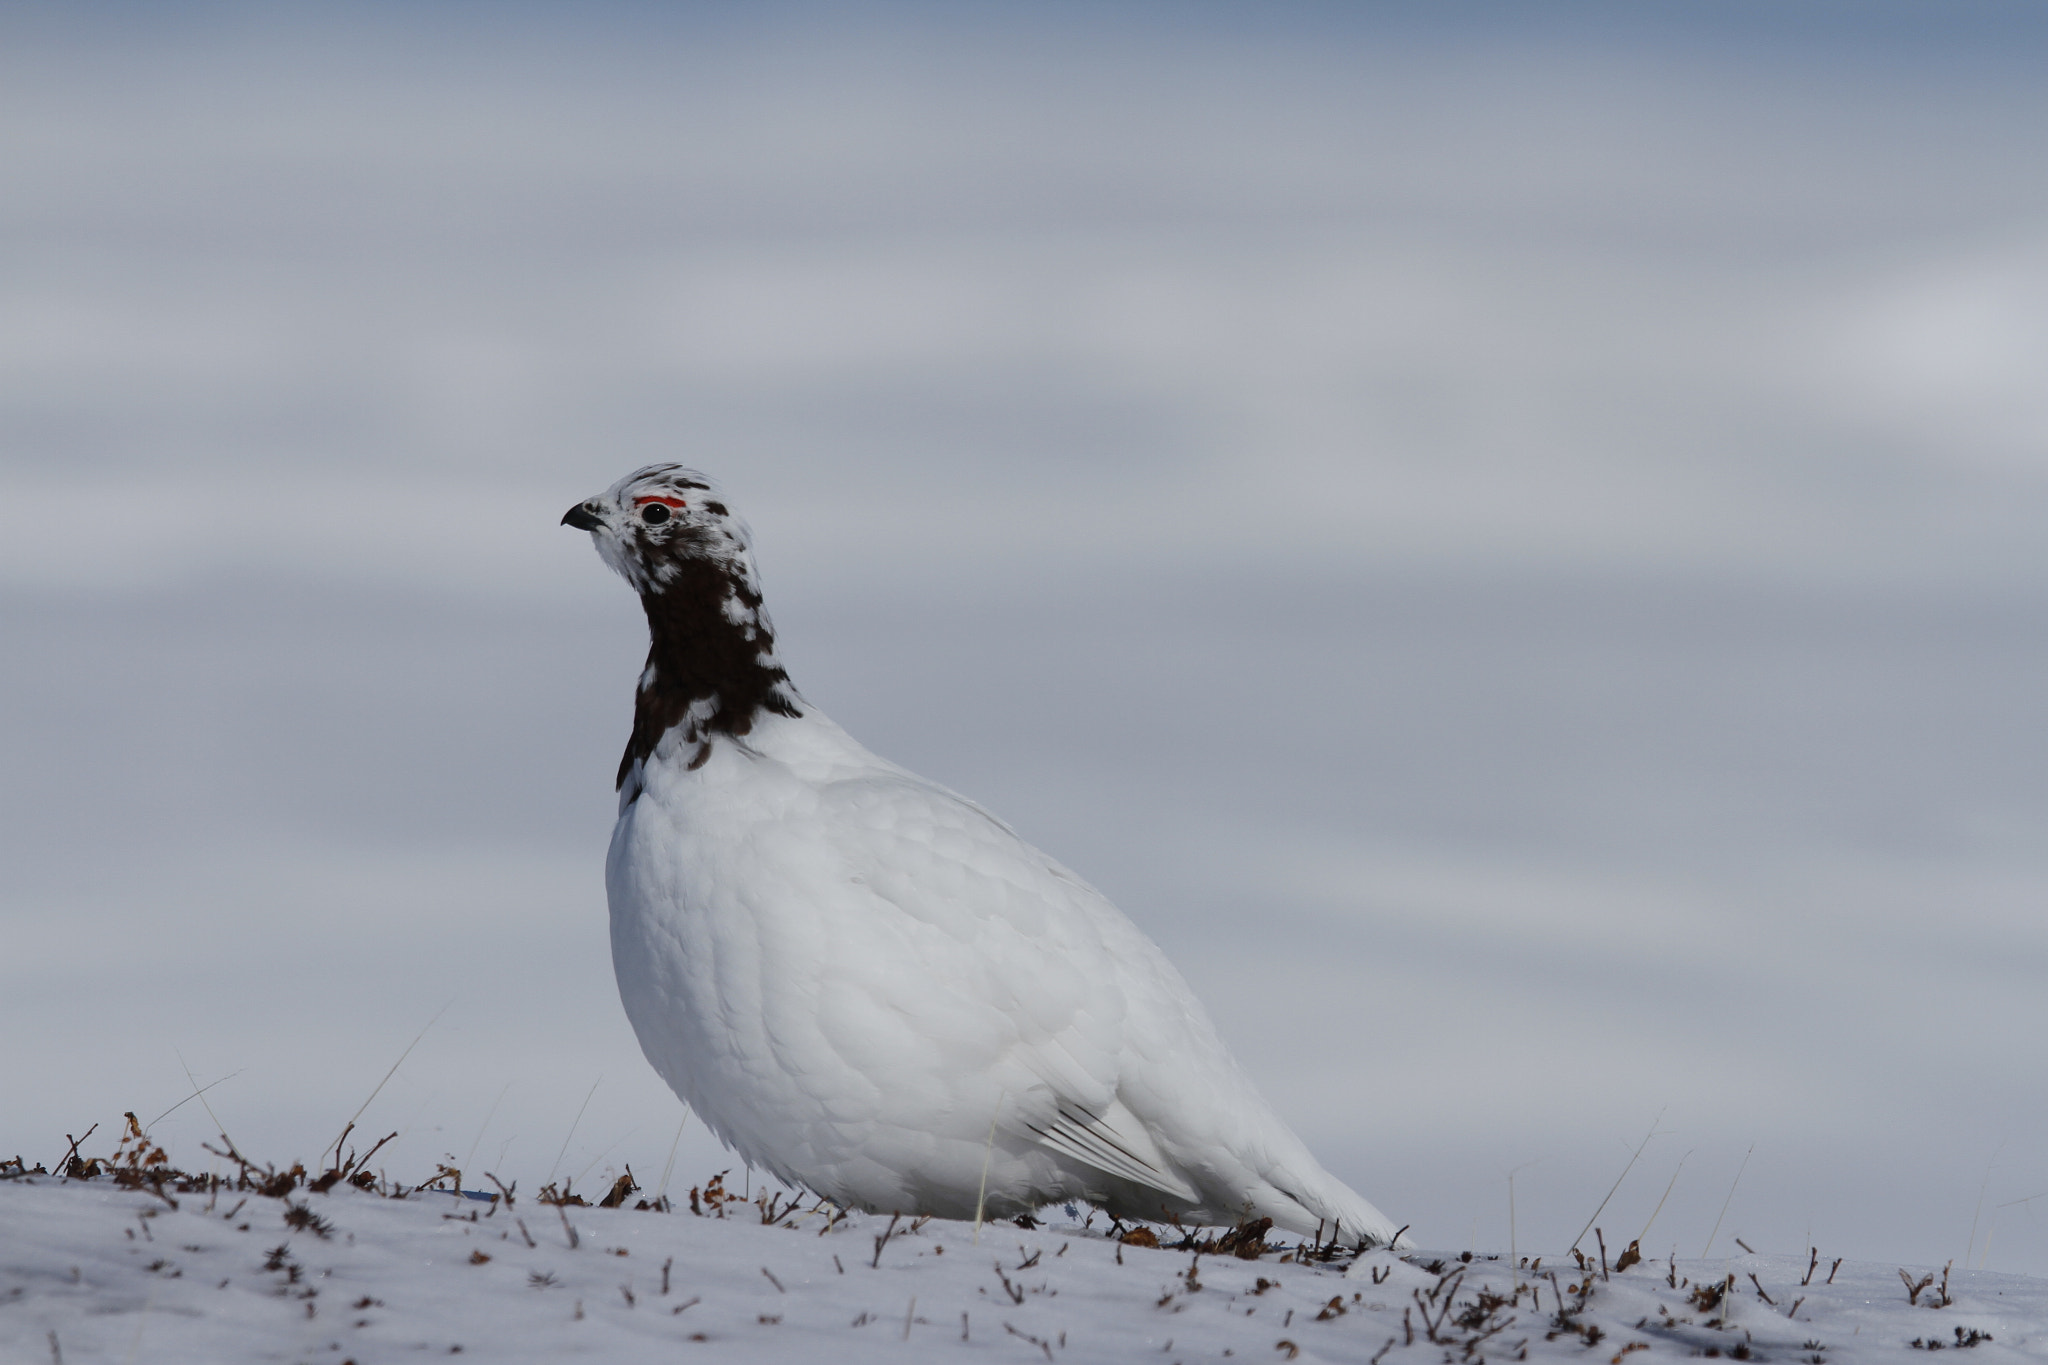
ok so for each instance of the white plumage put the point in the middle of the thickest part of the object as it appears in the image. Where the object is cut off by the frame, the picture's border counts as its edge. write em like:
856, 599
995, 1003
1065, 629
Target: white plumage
868, 985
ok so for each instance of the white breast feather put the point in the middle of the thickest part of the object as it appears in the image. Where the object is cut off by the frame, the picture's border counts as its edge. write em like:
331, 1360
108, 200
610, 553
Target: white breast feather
869, 985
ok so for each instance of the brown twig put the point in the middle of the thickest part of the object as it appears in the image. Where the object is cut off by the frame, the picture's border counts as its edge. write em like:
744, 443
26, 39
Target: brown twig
1041, 1345
64, 1166
883, 1241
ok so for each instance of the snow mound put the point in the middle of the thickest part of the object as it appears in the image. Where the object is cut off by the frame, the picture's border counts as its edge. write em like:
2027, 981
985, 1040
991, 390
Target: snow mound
93, 1271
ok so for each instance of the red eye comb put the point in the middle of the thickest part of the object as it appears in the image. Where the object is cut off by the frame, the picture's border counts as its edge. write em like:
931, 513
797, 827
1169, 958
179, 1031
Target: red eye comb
676, 504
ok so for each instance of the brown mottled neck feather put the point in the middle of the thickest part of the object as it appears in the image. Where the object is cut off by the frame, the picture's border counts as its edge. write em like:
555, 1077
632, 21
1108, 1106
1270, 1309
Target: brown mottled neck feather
708, 672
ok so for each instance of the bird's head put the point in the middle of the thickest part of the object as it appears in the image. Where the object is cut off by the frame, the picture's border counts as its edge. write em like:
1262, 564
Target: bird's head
657, 521
711, 667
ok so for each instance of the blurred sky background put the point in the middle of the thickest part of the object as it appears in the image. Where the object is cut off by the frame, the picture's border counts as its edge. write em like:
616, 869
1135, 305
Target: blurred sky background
1510, 538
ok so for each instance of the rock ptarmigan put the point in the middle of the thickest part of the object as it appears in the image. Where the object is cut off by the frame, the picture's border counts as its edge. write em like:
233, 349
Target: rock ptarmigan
873, 988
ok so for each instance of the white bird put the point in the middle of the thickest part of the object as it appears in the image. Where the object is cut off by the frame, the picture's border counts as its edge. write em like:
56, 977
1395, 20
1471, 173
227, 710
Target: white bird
868, 985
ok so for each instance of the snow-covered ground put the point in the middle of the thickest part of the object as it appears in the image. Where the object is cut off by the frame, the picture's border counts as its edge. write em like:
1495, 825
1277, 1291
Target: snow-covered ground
93, 1271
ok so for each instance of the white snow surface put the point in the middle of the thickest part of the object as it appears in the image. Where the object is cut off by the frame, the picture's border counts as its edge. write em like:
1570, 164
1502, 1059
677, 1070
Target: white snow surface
93, 1272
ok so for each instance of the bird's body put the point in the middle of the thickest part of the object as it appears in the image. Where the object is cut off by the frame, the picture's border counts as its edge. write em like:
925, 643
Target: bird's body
869, 986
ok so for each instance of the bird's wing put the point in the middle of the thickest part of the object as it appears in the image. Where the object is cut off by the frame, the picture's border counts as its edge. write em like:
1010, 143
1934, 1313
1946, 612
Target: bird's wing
1126, 1152
1010, 933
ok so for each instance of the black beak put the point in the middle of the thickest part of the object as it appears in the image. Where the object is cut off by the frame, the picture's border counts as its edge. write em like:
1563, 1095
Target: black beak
582, 518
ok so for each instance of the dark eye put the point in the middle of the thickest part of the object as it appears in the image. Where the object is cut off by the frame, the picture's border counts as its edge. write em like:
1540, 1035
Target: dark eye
654, 514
